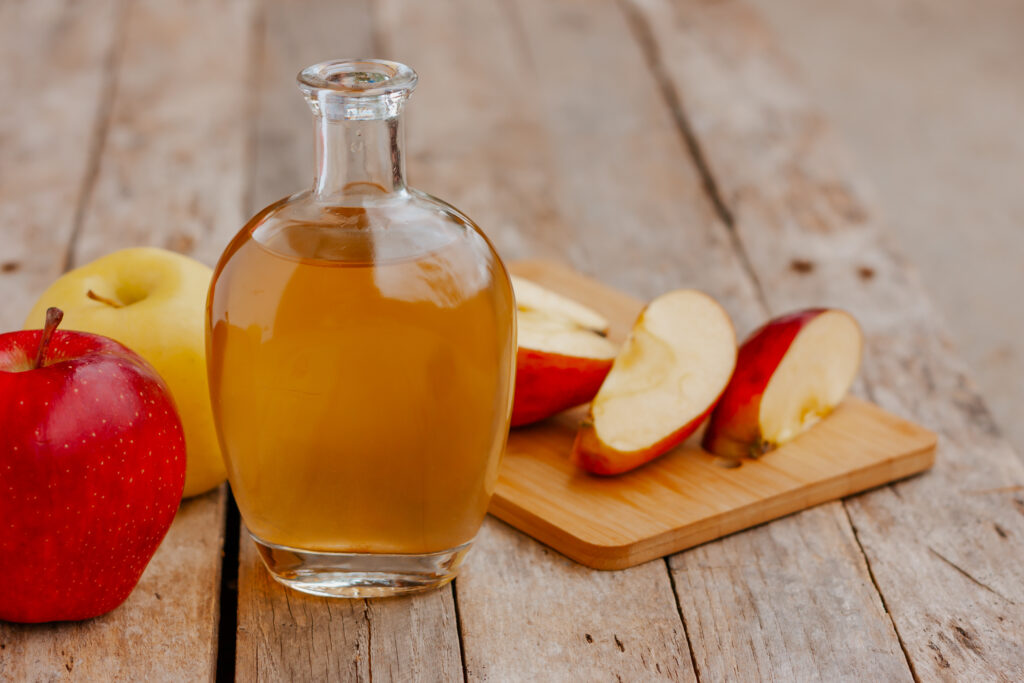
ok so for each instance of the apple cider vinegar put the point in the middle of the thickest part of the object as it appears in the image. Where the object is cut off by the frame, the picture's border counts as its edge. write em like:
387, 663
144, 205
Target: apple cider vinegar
361, 343
359, 400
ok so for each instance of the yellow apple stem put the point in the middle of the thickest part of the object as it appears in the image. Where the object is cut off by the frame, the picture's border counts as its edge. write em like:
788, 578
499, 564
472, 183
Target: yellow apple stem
103, 300
53, 317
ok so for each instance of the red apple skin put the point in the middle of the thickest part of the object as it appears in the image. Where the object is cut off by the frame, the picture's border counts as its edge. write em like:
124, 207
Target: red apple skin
734, 428
548, 383
92, 466
597, 457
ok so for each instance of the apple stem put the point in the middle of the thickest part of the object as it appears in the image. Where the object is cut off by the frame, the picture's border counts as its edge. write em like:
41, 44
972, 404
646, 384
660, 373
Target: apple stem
103, 300
53, 317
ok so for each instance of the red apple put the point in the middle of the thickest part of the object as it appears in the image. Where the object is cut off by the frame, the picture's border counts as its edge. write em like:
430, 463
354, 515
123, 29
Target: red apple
562, 357
92, 465
790, 373
674, 366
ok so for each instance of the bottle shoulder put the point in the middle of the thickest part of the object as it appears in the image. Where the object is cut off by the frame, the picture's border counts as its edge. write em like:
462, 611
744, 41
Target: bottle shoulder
379, 229
362, 211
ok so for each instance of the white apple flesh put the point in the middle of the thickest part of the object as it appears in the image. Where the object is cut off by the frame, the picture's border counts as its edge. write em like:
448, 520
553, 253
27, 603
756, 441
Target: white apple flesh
790, 374
531, 297
674, 366
562, 356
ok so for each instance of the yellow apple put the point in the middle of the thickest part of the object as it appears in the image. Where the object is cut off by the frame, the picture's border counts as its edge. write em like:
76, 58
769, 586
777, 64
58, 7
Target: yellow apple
154, 302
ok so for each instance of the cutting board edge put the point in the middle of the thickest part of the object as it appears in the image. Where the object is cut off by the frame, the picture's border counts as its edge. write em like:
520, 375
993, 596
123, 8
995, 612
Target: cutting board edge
623, 556
621, 551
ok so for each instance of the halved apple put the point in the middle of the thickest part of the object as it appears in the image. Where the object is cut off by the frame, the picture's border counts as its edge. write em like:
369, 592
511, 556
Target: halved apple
790, 373
664, 382
562, 357
531, 297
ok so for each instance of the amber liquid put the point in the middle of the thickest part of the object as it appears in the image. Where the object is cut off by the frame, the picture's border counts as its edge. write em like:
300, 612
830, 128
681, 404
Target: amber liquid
360, 380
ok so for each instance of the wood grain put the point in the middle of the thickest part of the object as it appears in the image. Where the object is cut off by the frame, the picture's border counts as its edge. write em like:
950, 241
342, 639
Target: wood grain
56, 77
478, 137
287, 635
570, 152
169, 173
172, 169
289, 36
746, 605
945, 549
530, 614
684, 498
282, 634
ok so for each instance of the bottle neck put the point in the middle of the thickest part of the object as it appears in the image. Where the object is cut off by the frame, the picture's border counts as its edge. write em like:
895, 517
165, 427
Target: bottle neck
358, 157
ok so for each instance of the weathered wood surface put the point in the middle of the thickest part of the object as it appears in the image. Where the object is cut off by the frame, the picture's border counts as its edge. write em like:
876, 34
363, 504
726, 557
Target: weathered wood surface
171, 171
568, 131
573, 153
946, 548
745, 605
47, 148
284, 635
530, 614
138, 143
479, 136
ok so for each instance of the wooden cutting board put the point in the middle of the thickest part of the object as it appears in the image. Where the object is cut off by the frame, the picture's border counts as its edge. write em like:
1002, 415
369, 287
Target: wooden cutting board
686, 497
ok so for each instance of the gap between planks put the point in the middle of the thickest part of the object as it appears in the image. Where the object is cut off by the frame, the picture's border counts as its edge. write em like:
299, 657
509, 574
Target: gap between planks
227, 625
644, 37
682, 619
881, 596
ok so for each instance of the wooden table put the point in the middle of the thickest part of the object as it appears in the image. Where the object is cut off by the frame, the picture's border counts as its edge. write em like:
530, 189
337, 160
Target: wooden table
649, 143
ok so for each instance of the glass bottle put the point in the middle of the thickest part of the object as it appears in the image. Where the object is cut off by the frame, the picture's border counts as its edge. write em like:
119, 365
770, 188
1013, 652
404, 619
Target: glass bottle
361, 344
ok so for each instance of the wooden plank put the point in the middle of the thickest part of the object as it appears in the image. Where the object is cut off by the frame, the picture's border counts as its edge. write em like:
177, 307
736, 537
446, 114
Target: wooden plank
943, 548
282, 634
287, 635
172, 171
291, 36
528, 613
56, 77
684, 498
169, 174
542, 121
476, 138
747, 605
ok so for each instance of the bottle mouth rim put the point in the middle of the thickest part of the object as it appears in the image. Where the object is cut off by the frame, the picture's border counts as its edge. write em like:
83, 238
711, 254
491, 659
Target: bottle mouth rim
357, 78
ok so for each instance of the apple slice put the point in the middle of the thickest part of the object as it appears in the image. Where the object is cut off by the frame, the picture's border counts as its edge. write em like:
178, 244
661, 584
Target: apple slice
562, 357
664, 382
558, 365
790, 373
532, 297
